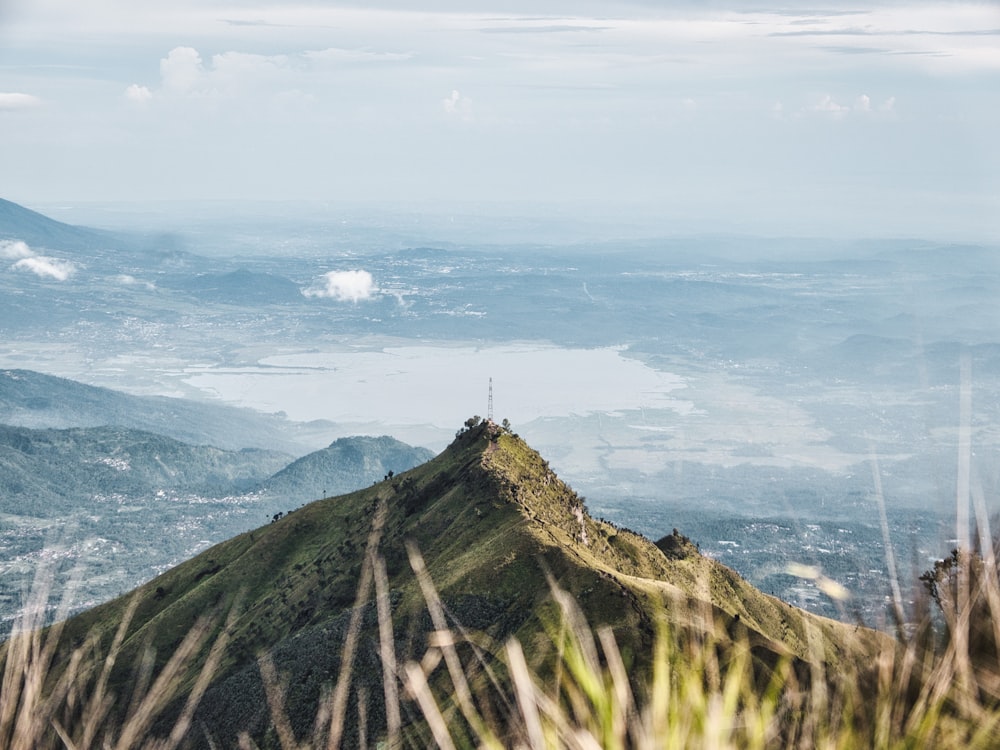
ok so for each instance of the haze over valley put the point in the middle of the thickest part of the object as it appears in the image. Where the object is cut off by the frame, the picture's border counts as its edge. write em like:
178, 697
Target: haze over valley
747, 390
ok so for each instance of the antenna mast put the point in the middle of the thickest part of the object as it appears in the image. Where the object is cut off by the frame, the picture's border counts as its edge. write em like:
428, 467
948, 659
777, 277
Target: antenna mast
489, 408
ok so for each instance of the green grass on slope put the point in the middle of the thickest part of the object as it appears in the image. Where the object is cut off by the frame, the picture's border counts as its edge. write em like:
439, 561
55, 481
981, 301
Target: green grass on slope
494, 525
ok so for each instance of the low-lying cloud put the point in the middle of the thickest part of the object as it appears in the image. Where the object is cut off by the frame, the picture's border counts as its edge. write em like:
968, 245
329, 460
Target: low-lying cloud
345, 286
129, 280
14, 250
51, 268
40, 265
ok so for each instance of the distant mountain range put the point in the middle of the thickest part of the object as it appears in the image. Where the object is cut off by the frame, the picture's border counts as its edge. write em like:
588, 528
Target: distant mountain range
100, 250
52, 473
345, 465
97, 275
494, 525
129, 485
20, 223
36, 400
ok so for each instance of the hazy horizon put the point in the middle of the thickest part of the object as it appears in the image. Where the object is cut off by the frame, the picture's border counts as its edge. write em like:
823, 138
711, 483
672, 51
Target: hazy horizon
832, 120
642, 219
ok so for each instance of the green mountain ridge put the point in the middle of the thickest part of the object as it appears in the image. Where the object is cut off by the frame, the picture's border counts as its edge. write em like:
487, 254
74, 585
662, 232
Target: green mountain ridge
127, 504
48, 473
494, 525
337, 469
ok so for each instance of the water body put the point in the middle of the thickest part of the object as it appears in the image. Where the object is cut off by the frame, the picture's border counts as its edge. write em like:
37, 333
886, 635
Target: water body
428, 391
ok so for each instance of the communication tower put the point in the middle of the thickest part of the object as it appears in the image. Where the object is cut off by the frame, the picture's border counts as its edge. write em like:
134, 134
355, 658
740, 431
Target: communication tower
489, 407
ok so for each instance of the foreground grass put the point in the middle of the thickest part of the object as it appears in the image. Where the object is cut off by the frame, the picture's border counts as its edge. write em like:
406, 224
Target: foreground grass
704, 688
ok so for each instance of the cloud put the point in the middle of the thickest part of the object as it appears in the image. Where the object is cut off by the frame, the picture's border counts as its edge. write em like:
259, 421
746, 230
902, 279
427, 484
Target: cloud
15, 101
862, 106
14, 250
40, 265
129, 280
827, 105
184, 73
229, 67
181, 70
345, 286
458, 106
138, 94
53, 268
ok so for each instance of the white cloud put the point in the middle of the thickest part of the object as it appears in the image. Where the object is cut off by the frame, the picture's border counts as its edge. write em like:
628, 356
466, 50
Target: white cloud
585, 120
40, 265
138, 94
16, 101
53, 268
827, 105
181, 70
14, 250
862, 107
458, 106
233, 68
129, 280
345, 286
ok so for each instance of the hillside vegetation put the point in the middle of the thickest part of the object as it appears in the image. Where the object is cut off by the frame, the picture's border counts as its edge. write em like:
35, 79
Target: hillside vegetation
126, 504
494, 529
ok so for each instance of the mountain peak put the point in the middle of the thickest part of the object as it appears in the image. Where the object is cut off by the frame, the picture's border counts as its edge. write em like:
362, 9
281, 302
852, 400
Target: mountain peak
495, 527
526, 479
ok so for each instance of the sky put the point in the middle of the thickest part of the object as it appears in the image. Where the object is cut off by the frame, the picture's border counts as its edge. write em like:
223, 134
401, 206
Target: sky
836, 119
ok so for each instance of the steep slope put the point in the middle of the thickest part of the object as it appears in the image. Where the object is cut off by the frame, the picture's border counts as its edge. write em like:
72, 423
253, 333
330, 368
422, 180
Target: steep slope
493, 523
99, 249
20, 223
